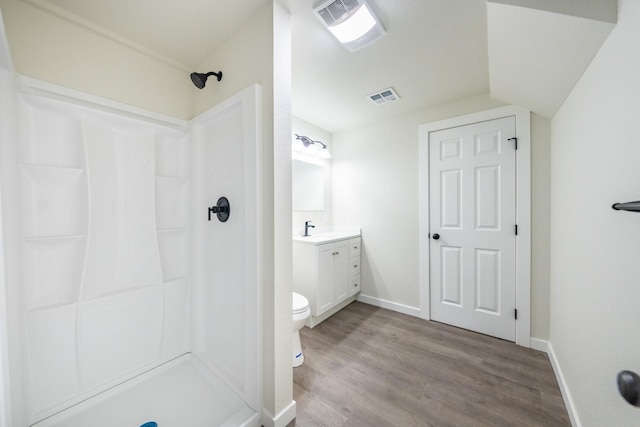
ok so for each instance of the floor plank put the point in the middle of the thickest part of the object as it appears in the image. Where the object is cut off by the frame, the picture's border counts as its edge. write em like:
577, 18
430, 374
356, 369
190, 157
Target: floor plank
367, 366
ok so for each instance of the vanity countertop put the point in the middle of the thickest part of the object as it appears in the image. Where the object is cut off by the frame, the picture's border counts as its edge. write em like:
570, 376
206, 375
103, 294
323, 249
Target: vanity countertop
321, 236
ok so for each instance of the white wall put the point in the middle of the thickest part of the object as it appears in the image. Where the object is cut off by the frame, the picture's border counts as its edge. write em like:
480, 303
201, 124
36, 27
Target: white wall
259, 52
595, 289
318, 218
540, 225
282, 388
375, 175
246, 57
56, 51
377, 170
7, 94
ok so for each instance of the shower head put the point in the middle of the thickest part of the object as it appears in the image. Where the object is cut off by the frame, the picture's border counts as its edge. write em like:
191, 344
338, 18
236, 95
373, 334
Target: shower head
199, 79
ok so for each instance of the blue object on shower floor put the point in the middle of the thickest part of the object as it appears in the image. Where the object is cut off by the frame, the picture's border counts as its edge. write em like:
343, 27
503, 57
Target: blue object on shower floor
150, 424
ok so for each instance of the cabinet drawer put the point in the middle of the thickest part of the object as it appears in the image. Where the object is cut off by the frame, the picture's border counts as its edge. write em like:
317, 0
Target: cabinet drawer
354, 266
354, 246
354, 285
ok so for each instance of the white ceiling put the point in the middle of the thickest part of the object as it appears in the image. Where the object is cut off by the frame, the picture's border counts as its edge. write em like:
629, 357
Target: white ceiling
536, 57
434, 51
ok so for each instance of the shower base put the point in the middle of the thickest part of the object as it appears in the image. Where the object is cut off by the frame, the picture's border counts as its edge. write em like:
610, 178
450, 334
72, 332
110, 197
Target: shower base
182, 392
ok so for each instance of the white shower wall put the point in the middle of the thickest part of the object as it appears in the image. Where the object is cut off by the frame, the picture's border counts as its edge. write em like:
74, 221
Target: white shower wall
226, 262
103, 238
109, 273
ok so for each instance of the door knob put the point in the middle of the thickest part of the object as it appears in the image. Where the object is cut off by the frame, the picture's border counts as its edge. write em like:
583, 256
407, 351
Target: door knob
629, 387
436, 236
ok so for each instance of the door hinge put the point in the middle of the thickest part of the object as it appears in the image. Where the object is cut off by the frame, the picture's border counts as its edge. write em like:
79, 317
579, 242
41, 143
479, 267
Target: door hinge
515, 142
516, 229
515, 313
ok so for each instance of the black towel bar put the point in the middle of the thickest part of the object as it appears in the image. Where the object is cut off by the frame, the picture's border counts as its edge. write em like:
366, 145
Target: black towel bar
629, 206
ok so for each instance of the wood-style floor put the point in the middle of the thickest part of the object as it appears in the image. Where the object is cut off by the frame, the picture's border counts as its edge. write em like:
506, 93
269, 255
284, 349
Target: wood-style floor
367, 366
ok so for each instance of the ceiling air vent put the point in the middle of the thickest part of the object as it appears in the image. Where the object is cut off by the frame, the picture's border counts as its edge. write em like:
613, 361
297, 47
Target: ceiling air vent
335, 13
384, 96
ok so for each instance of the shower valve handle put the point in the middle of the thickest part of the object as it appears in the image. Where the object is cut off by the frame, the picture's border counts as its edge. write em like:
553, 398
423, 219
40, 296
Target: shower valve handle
221, 209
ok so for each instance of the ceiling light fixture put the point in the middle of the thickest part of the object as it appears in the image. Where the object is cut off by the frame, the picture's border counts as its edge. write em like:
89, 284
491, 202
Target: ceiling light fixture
351, 21
309, 146
356, 26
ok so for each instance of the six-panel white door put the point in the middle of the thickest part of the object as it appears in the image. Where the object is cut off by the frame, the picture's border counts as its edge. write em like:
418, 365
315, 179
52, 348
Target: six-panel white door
472, 227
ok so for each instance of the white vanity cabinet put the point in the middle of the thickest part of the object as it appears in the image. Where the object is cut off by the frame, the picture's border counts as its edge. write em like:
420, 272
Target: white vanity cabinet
327, 272
332, 275
354, 266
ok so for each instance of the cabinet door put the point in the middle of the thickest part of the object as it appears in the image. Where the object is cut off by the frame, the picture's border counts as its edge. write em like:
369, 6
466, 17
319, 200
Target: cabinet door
324, 285
340, 271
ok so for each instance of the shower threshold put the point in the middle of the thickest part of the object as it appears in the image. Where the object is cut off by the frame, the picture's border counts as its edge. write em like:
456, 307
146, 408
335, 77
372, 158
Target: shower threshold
182, 392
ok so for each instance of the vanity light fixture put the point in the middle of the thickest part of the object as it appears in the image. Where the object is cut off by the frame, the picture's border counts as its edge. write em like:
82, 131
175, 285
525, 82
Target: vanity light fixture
352, 22
309, 146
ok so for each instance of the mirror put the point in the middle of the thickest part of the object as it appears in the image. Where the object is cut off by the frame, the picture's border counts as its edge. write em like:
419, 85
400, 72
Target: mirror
308, 186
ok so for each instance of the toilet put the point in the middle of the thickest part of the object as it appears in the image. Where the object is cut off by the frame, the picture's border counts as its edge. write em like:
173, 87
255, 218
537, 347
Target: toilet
301, 313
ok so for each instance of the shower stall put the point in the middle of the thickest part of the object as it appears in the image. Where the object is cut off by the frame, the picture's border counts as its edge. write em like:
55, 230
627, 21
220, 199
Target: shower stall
121, 302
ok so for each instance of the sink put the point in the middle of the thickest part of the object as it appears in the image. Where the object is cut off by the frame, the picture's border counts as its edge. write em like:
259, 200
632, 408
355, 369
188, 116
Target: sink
321, 237
328, 234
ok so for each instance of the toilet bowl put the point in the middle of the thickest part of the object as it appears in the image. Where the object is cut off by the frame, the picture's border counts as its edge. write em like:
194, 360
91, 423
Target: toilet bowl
301, 313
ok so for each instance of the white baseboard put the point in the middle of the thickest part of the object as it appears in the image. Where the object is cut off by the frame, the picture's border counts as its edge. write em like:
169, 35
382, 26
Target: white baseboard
545, 346
566, 395
283, 418
400, 308
540, 345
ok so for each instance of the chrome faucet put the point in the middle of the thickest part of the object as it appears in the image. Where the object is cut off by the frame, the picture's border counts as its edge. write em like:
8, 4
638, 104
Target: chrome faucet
307, 226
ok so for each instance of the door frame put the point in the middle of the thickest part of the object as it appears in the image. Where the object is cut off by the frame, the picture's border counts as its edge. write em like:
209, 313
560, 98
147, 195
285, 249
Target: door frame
523, 210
